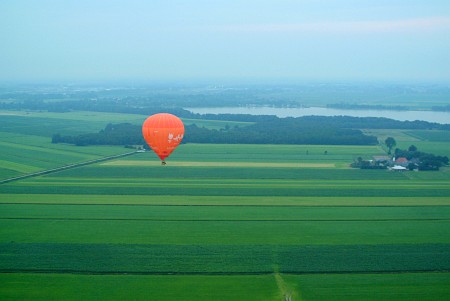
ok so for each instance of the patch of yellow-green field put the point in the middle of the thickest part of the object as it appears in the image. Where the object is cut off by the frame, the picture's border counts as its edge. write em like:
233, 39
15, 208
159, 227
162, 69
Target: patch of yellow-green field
398, 135
219, 164
22, 168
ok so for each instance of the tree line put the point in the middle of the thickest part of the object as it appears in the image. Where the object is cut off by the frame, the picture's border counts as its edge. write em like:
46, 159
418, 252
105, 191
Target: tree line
282, 131
125, 134
272, 131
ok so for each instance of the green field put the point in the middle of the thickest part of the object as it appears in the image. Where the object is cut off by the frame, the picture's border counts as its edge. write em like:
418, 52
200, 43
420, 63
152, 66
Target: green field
219, 222
22, 154
25, 138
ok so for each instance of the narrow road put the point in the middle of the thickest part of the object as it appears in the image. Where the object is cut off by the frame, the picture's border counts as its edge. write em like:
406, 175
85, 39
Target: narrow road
48, 171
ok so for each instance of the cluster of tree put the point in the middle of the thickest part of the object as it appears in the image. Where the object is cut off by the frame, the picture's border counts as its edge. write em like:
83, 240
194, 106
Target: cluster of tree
282, 131
275, 131
114, 134
369, 164
421, 160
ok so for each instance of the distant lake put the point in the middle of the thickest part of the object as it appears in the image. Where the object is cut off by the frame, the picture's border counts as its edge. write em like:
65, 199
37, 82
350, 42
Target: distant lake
430, 116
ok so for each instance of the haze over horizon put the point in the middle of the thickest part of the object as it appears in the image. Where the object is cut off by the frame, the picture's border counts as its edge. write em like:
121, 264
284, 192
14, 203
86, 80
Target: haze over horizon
248, 40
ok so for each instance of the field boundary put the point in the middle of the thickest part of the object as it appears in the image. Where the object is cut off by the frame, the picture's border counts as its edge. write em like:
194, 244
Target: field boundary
225, 220
65, 167
223, 164
219, 205
167, 273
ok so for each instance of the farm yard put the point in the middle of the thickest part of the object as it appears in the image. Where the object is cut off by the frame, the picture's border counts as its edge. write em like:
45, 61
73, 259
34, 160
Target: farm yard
218, 222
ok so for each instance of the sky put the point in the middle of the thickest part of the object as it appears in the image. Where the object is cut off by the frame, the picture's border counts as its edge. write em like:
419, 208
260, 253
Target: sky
363, 40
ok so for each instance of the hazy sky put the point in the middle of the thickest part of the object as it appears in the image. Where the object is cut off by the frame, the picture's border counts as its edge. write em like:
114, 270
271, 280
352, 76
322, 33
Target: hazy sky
231, 39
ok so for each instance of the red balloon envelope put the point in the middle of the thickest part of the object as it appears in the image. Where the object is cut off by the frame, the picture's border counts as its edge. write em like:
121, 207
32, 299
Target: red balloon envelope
163, 132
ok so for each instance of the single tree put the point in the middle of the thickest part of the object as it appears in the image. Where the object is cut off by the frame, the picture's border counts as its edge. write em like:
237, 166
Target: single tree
412, 148
390, 143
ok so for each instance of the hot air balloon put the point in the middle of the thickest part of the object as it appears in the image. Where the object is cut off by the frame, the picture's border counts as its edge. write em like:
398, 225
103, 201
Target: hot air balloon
163, 132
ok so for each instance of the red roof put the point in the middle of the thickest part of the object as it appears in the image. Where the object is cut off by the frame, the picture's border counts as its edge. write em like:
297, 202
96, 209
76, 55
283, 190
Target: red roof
401, 160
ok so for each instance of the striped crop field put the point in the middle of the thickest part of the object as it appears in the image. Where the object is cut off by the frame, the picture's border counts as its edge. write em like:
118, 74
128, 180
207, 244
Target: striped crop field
222, 222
